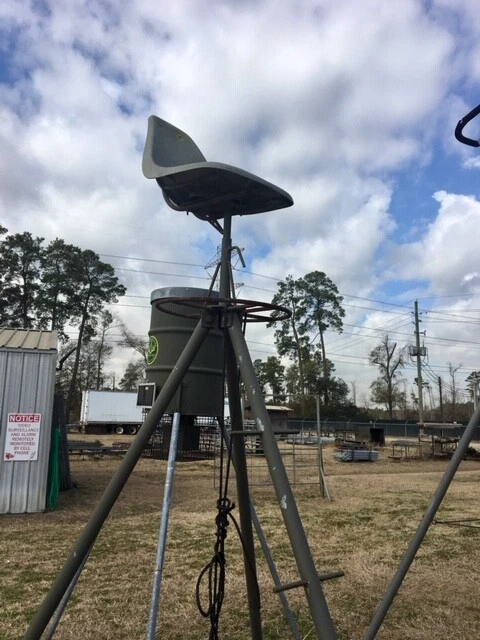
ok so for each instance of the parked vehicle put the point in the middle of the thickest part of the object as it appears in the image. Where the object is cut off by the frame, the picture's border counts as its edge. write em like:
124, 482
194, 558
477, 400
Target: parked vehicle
110, 412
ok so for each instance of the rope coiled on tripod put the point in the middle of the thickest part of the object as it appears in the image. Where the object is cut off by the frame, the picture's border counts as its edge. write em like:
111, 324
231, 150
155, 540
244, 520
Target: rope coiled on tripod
215, 569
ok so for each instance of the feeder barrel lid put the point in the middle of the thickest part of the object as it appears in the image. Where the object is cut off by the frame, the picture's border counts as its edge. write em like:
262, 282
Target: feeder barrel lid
180, 292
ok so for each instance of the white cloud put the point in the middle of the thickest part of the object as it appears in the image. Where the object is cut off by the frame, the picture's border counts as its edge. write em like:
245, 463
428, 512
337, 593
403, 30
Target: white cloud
472, 163
328, 100
448, 251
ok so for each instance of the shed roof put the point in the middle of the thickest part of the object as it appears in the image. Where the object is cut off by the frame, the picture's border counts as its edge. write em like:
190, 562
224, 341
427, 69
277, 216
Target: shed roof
28, 339
442, 425
273, 407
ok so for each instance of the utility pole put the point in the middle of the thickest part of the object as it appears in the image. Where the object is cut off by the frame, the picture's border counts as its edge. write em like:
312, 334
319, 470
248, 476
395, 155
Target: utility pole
476, 380
441, 398
321, 472
419, 368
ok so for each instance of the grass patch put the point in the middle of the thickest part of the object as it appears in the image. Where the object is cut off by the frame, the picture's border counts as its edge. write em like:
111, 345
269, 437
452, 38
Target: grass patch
364, 531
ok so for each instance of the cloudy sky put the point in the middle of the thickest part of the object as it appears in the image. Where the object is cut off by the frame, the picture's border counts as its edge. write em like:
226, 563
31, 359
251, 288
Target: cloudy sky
349, 106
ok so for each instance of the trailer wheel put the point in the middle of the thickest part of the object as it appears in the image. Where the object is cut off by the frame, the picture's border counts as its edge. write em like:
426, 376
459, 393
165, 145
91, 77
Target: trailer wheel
119, 429
132, 429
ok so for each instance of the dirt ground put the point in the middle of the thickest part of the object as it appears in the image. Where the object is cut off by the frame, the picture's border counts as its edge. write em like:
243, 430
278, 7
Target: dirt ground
363, 531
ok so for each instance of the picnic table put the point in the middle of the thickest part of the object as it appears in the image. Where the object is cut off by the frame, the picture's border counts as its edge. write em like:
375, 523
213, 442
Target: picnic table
97, 448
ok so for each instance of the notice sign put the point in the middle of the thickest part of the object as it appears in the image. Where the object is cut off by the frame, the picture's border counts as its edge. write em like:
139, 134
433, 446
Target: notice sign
23, 432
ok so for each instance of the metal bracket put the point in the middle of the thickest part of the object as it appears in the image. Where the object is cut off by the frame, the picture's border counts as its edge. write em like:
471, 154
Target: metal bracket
226, 320
208, 318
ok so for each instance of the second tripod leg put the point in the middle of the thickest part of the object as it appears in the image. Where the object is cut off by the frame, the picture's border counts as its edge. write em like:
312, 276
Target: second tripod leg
243, 496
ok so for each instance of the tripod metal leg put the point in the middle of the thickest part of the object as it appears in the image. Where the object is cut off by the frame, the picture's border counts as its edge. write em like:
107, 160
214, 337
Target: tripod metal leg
162, 535
423, 527
270, 562
114, 488
243, 495
64, 601
298, 540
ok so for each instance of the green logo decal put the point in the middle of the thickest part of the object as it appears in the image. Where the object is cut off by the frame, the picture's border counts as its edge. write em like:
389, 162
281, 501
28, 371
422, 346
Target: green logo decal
152, 350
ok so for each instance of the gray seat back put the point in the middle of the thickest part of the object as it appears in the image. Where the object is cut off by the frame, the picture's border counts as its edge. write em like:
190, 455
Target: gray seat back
166, 147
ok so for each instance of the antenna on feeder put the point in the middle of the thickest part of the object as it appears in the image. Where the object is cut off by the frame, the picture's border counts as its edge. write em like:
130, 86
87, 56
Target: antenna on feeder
215, 264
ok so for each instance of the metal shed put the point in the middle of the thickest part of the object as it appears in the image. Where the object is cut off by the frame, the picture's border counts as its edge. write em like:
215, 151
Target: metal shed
278, 416
27, 385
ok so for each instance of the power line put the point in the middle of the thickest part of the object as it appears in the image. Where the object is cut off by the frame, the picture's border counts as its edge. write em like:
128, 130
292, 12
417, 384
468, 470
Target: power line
455, 340
160, 273
377, 329
446, 385
275, 279
355, 306
182, 264
359, 338
391, 304
457, 295
440, 320
259, 275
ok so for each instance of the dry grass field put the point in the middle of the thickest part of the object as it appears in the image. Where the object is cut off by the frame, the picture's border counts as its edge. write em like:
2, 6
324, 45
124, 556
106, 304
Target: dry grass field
363, 531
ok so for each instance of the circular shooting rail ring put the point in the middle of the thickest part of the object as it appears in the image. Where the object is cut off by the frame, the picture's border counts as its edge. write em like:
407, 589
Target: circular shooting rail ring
250, 310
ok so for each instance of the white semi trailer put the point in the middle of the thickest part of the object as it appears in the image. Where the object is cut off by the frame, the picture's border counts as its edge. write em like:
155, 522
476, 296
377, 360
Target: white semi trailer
110, 412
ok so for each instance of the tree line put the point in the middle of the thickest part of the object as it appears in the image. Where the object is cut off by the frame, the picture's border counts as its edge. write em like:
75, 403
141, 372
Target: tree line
56, 286
316, 308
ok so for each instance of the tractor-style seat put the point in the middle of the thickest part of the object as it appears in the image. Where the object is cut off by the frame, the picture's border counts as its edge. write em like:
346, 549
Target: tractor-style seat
209, 190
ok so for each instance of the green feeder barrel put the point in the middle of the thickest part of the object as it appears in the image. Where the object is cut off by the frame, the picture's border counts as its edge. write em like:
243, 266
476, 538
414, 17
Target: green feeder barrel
201, 391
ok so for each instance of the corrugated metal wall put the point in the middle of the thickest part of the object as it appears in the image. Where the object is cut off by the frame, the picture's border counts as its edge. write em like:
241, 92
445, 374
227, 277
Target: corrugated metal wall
27, 385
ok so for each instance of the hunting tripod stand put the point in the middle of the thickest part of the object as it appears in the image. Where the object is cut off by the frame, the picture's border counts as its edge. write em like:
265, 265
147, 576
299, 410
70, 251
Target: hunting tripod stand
211, 191
214, 191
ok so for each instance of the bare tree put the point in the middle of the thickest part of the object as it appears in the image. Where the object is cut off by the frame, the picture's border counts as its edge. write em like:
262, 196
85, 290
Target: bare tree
365, 400
354, 392
131, 341
102, 348
452, 371
389, 359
